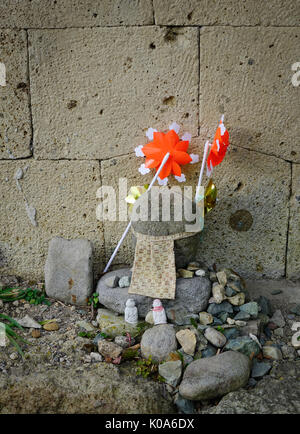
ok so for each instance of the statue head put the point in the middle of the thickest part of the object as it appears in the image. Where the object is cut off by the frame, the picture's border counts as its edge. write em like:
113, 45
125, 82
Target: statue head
157, 302
130, 302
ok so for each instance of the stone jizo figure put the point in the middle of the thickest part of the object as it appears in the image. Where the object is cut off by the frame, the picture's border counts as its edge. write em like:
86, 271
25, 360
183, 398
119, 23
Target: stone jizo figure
159, 314
131, 312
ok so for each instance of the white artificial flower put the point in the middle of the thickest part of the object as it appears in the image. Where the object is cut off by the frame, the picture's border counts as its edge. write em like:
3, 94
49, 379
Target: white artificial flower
195, 158
174, 126
149, 133
186, 137
162, 181
139, 152
143, 170
181, 178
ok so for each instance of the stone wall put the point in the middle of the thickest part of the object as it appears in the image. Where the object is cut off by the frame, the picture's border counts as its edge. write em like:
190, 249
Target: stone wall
85, 79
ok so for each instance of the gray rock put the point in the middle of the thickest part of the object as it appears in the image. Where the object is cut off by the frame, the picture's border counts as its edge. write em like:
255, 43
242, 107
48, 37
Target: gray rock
68, 270
251, 308
98, 338
109, 349
271, 396
124, 341
272, 352
296, 310
187, 359
216, 376
278, 319
223, 317
259, 369
288, 352
209, 351
29, 322
171, 372
244, 345
231, 333
114, 325
112, 281
244, 316
124, 281
229, 292
215, 308
252, 327
214, 337
191, 297
184, 406
158, 341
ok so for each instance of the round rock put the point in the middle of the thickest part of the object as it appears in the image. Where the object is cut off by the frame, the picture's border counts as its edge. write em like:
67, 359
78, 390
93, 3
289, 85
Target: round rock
215, 376
158, 341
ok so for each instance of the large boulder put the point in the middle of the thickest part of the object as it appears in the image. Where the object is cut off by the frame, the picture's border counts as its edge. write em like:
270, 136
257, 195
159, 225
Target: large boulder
191, 296
215, 376
68, 270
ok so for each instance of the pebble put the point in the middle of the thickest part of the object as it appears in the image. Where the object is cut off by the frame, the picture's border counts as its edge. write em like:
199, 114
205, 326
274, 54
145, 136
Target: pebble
278, 319
13, 356
222, 277
35, 333
251, 308
212, 276
244, 316
124, 281
296, 340
276, 292
187, 340
223, 317
109, 349
215, 337
259, 369
112, 281
1, 303
265, 305
296, 310
124, 341
96, 357
271, 352
231, 333
186, 274
237, 300
229, 292
215, 308
243, 344
29, 322
288, 352
158, 341
279, 332
209, 351
184, 406
51, 326
171, 372
98, 338
218, 292
86, 326
200, 273
193, 266
205, 318
240, 323
149, 317
15, 303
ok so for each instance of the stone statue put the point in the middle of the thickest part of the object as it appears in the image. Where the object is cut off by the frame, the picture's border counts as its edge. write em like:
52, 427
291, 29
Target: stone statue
159, 314
131, 312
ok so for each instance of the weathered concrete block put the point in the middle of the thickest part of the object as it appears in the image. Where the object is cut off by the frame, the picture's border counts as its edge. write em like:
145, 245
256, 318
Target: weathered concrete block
227, 12
63, 193
246, 73
74, 13
69, 270
246, 230
96, 91
293, 253
15, 124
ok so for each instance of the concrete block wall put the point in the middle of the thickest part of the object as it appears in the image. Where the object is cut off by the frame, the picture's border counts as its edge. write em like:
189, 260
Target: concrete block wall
84, 81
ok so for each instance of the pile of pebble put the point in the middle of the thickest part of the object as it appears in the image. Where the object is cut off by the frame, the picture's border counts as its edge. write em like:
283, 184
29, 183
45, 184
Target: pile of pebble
230, 344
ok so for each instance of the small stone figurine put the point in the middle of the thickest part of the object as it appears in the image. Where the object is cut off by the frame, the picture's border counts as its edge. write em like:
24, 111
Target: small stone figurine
131, 312
159, 314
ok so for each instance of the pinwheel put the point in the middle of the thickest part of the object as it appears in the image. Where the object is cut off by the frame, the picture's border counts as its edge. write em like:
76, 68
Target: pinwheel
165, 153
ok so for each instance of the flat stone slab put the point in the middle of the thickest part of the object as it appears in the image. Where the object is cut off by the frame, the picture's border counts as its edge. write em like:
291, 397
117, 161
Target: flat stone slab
192, 296
68, 270
215, 376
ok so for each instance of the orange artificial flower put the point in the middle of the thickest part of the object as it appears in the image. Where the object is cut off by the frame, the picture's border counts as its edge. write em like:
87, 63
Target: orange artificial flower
218, 148
157, 149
